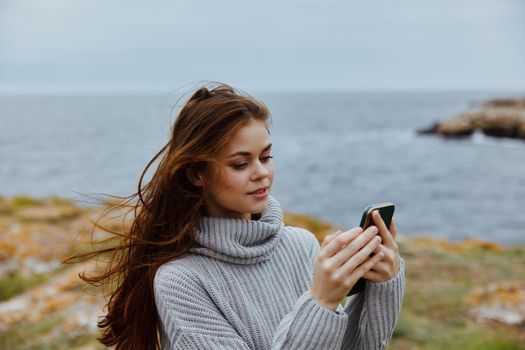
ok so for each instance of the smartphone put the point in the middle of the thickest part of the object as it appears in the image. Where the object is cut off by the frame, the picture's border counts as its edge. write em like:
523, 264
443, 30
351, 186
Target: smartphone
386, 210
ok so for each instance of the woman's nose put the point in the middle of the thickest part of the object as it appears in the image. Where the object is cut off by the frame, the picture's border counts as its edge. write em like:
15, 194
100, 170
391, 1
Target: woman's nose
260, 171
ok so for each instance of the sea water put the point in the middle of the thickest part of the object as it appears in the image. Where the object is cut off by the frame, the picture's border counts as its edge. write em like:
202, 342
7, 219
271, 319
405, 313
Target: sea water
334, 153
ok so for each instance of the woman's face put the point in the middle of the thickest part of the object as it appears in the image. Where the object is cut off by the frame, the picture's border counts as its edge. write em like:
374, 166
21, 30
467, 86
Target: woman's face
239, 186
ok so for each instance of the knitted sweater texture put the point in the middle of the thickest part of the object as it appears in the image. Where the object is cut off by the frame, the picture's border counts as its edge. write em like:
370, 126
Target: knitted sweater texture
246, 286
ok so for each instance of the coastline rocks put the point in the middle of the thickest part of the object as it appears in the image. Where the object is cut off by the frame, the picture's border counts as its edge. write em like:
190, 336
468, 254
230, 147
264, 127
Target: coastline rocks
37, 234
498, 118
447, 282
72, 304
467, 245
501, 302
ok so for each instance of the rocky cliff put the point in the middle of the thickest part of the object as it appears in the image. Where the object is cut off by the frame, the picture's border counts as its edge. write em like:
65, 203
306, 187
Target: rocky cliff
497, 118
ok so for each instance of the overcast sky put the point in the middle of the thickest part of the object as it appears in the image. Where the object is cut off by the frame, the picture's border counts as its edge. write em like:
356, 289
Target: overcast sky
104, 45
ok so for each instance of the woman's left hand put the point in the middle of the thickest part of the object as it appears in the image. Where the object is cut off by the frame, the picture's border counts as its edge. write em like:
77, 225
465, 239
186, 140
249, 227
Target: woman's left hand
388, 267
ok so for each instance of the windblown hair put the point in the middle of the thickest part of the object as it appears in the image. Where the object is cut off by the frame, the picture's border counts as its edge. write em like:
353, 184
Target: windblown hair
165, 212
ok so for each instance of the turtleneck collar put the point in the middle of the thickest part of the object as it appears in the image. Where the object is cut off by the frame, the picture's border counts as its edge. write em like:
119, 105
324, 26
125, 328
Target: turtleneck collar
240, 241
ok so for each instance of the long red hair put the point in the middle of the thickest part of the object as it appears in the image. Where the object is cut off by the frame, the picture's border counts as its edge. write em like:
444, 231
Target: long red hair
165, 211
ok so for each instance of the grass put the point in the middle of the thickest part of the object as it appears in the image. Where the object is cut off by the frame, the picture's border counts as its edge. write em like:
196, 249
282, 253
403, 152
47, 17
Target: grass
14, 284
26, 337
434, 313
25, 201
46, 335
418, 333
439, 278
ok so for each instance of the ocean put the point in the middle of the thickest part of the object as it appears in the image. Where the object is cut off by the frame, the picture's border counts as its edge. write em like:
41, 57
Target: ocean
334, 153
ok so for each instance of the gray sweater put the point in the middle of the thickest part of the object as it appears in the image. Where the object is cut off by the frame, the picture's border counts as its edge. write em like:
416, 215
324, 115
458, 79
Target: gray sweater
246, 286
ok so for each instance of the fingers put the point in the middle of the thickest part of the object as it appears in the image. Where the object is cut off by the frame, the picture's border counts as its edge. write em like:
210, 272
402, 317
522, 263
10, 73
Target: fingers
393, 229
382, 271
336, 243
365, 268
388, 240
373, 276
388, 253
353, 247
329, 237
356, 259
385, 269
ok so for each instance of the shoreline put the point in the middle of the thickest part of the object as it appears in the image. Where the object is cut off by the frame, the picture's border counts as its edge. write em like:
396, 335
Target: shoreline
96, 203
322, 228
467, 294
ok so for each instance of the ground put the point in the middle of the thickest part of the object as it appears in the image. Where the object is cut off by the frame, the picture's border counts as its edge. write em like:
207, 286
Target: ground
459, 295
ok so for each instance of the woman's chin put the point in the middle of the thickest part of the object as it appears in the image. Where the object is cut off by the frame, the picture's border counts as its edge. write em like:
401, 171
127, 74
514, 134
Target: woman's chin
259, 207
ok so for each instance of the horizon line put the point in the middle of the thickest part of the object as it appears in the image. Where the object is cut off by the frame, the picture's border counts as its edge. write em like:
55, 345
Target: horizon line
308, 90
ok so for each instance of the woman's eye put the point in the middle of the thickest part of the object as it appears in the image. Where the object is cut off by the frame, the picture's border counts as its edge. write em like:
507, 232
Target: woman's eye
239, 166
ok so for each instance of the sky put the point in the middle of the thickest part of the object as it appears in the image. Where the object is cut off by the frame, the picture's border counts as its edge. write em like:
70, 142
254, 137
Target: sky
273, 45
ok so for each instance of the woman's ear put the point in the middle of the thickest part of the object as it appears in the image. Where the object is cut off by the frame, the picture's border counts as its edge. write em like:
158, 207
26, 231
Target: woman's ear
194, 177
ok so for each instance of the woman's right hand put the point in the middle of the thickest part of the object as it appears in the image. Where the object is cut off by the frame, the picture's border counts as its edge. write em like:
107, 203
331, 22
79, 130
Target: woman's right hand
343, 259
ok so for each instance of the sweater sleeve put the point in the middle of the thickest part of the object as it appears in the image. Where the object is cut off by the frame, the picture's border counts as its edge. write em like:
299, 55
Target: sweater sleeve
190, 319
310, 325
372, 314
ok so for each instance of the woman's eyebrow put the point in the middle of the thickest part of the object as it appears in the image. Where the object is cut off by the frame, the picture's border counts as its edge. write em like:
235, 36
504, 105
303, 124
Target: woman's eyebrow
246, 153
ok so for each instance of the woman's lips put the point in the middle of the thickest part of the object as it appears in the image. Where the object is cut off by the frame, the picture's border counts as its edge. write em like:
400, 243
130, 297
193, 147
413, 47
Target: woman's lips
260, 193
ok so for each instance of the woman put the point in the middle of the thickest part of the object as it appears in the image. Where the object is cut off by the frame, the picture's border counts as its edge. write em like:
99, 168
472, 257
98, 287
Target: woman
208, 263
